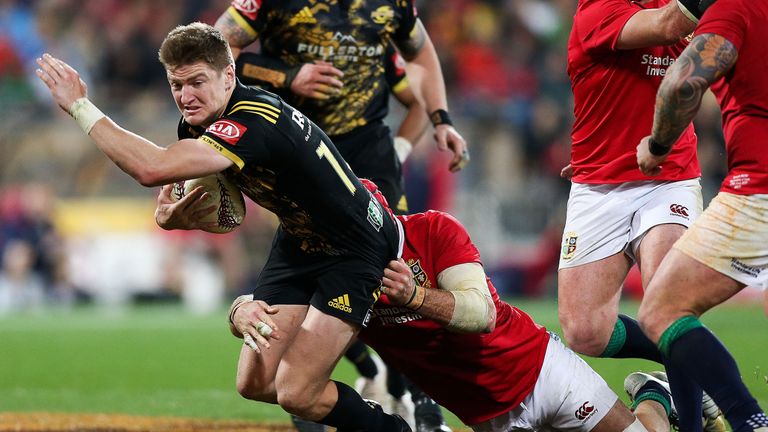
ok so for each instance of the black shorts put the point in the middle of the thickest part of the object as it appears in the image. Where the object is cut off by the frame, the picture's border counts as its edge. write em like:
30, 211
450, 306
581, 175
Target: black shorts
370, 151
343, 286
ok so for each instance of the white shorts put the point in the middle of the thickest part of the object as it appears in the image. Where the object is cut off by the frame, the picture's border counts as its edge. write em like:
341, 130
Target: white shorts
731, 237
568, 396
603, 220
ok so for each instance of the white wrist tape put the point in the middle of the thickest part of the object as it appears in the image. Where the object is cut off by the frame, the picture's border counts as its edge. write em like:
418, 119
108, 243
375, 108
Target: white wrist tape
687, 13
86, 114
473, 301
403, 148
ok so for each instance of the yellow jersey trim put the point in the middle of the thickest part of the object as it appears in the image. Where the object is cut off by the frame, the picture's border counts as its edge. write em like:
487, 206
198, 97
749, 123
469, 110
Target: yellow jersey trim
401, 85
241, 21
221, 149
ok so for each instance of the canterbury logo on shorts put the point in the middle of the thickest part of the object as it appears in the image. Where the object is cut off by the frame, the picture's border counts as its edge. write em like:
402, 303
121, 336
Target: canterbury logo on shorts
679, 210
585, 411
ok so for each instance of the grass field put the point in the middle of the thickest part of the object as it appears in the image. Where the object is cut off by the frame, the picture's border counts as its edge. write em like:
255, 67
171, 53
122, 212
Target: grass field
163, 361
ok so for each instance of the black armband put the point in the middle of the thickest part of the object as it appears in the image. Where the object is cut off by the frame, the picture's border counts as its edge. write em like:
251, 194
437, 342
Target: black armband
440, 117
264, 71
694, 9
657, 149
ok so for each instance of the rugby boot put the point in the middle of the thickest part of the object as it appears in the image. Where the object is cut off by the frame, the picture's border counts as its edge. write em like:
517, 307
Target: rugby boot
636, 383
711, 417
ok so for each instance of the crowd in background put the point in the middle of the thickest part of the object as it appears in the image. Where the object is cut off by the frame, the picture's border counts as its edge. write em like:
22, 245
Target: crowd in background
505, 68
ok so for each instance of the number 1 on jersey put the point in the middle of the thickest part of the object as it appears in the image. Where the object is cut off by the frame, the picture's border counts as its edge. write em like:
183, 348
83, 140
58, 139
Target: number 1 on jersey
324, 152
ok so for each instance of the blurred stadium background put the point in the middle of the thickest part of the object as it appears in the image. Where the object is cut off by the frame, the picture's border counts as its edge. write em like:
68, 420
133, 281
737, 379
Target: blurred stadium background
101, 311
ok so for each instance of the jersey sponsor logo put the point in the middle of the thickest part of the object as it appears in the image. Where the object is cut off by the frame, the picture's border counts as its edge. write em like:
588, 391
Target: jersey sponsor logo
739, 180
346, 52
228, 130
679, 210
419, 275
382, 15
249, 8
656, 65
375, 214
585, 411
745, 268
304, 16
341, 303
341, 37
569, 245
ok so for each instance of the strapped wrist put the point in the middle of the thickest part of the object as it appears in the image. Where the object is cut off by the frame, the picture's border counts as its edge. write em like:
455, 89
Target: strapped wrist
417, 298
439, 117
85, 114
658, 149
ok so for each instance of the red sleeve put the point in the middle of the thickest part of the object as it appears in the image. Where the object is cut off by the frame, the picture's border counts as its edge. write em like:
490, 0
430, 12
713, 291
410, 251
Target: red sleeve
452, 244
725, 18
599, 22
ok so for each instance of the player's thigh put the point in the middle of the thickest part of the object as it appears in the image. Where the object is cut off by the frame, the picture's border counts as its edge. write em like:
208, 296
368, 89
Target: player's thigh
682, 286
256, 371
591, 292
656, 243
308, 362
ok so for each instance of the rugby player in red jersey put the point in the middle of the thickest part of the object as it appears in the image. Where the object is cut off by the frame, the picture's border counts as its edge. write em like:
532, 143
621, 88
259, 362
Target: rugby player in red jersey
726, 249
618, 53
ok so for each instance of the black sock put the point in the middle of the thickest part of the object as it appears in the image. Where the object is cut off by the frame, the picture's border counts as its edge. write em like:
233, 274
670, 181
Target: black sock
687, 396
395, 383
359, 355
352, 413
628, 341
423, 405
704, 358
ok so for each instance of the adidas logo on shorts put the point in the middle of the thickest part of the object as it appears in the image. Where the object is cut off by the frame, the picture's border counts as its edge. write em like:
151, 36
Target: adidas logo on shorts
341, 303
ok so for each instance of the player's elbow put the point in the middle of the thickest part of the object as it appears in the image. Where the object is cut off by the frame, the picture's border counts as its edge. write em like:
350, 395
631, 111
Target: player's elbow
473, 312
148, 176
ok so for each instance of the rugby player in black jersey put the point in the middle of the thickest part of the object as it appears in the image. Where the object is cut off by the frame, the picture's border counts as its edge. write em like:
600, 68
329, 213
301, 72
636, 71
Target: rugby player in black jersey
334, 240
327, 58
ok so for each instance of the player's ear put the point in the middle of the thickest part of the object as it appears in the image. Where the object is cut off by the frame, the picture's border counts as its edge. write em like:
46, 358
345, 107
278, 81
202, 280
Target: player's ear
229, 76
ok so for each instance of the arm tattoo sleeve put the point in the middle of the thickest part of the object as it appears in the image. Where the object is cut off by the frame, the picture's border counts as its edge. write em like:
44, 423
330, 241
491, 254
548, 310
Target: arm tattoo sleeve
706, 59
415, 41
235, 34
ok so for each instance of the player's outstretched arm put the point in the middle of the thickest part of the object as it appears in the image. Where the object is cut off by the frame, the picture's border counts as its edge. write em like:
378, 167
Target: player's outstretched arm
705, 60
140, 158
420, 54
415, 123
462, 303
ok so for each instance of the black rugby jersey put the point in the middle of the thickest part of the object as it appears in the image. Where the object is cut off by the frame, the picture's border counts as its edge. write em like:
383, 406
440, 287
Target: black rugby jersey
286, 164
351, 34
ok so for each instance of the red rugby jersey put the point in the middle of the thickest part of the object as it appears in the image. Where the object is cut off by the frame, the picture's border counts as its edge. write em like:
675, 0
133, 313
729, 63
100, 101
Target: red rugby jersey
743, 92
476, 376
614, 96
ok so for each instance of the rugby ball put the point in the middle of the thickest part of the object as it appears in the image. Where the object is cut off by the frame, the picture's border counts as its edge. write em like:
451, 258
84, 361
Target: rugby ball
230, 205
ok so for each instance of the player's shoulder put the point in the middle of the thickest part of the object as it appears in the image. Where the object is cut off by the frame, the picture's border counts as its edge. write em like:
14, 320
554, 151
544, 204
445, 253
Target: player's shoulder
254, 104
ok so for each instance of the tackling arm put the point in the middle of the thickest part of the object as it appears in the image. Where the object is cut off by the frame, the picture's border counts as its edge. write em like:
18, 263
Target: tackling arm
462, 304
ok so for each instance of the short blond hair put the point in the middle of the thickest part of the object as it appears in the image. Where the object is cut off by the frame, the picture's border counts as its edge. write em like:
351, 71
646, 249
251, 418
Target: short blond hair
192, 43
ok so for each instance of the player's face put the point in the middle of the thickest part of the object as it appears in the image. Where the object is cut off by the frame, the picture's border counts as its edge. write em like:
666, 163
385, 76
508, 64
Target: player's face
201, 92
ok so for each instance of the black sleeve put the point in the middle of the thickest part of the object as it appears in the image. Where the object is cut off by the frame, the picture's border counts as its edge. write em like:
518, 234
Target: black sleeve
408, 16
694, 8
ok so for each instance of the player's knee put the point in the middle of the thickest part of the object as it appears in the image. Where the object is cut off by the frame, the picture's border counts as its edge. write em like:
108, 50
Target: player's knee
299, 403
650, 322
252, 391
583, 337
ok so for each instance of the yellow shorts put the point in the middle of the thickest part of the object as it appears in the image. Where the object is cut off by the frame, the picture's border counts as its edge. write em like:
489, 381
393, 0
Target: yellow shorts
731, 237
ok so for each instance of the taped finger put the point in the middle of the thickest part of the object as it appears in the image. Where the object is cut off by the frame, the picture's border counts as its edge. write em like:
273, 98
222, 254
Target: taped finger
251, 343
264, 329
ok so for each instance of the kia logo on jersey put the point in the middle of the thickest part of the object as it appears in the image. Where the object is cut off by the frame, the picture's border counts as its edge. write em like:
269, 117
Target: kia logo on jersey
228, 130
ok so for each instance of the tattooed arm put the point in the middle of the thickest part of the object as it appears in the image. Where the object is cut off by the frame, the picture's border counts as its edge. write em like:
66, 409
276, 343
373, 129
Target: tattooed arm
707, 58
238, 36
